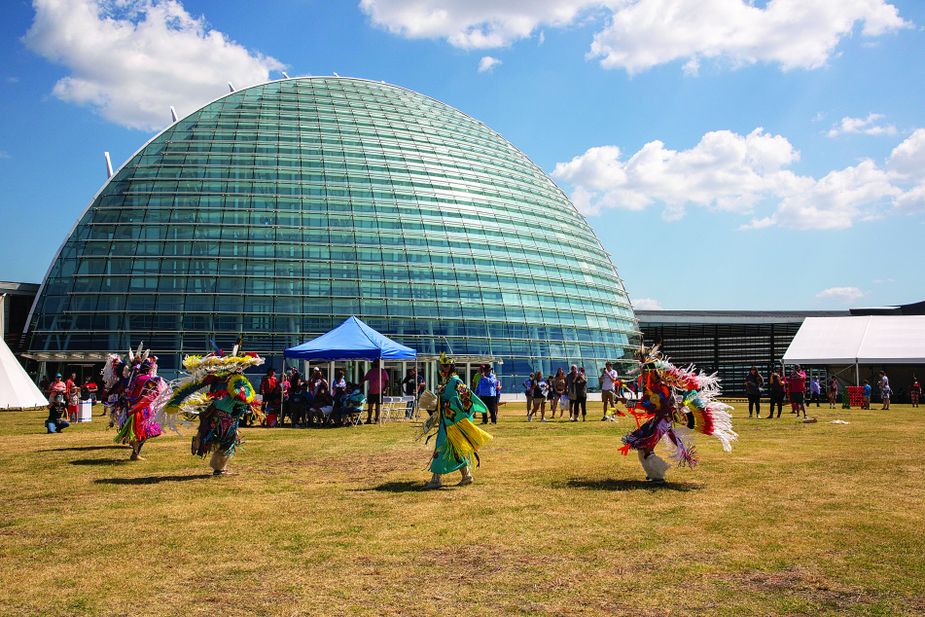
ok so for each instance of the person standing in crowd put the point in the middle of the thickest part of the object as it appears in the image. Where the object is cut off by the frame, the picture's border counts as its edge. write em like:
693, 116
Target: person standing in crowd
538, 389
73, 397
271, 395
570, 390
776, 392
412, 385
797, 383
608, 380
579, 395
867, 393
832, 392
753, 383
557, 389
489, 390
815, 391
915, 391
378, 379
884, 390
528, 392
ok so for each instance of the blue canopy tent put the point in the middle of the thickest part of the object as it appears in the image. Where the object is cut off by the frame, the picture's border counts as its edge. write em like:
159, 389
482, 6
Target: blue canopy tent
351, 340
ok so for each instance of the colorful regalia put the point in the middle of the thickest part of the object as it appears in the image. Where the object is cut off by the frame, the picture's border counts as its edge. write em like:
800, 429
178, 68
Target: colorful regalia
672, 403
133, 387
458, 439
221, 409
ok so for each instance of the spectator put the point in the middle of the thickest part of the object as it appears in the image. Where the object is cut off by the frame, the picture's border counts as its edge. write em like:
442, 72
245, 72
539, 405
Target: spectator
318, 384
90, 390
867, 392
73, 397
295, 408
338, 386
608, 380
884, 390
797, 383
753, 383
271, 394
538, 389
579, 395
570, 391
57, 406
558, 388
489, 390
413, 384
776, 391
915, 391
832, 391
815, 391
528, 391
378, 379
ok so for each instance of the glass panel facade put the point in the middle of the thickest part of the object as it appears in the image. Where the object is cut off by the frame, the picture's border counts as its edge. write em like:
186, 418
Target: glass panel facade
279, 210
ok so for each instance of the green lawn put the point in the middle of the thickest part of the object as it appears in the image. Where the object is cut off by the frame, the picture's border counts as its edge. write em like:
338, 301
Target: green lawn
800, 519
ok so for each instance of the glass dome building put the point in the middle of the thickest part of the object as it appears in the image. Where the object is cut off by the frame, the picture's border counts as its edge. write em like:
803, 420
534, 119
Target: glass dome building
279, 210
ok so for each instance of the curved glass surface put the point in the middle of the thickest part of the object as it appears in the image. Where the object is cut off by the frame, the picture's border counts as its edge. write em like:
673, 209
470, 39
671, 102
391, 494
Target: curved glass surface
279, 210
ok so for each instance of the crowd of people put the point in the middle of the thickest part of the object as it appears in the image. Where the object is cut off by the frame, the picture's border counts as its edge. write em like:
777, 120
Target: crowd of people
568, 392
801, 391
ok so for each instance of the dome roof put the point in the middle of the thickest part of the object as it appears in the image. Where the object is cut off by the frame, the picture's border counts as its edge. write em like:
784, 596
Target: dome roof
280, 209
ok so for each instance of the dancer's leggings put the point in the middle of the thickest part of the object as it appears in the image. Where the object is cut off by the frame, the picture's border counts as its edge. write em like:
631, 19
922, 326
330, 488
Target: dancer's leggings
754, 400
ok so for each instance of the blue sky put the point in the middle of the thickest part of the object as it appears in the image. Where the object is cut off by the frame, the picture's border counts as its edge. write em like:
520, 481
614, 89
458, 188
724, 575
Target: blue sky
728, 154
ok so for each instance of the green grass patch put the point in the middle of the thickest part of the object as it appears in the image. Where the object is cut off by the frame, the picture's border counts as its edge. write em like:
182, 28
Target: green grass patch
800, 519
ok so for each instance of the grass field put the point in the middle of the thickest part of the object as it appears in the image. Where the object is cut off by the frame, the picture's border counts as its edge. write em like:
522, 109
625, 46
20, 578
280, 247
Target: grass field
800, 519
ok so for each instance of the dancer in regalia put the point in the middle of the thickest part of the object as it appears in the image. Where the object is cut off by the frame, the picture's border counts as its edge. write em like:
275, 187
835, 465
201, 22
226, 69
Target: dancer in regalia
133, 386
222, 408
662, 416
458, 439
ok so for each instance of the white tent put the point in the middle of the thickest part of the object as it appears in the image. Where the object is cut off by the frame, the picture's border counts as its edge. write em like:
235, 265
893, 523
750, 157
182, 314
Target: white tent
874, 339
16, 389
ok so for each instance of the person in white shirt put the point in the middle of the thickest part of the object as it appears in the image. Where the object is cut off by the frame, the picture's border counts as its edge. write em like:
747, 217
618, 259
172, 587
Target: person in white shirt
608, 380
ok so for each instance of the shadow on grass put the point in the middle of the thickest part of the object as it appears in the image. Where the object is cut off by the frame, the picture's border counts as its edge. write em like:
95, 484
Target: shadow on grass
84, 448
152, 479
628, 485
99, 461
399, 487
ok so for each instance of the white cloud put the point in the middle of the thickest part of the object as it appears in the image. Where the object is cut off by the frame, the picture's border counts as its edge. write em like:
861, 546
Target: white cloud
724, 171
636, 35
487, 63
132, 59
647, 304
841, 294
864, 126
747, 174
473, 24
794, 34
908, 158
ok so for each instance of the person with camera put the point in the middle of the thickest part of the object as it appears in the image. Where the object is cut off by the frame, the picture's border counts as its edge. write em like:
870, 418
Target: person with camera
57, 406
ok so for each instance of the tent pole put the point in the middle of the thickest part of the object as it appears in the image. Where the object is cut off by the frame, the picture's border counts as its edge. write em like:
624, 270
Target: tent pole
857, 373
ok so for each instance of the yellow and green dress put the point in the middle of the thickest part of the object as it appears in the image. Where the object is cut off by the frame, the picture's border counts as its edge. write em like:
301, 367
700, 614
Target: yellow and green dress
458, 438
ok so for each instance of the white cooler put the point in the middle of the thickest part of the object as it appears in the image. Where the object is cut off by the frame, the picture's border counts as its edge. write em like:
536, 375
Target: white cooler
85, 411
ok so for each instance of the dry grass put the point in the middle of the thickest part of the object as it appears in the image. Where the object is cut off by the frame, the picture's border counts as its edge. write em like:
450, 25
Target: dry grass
801, 519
